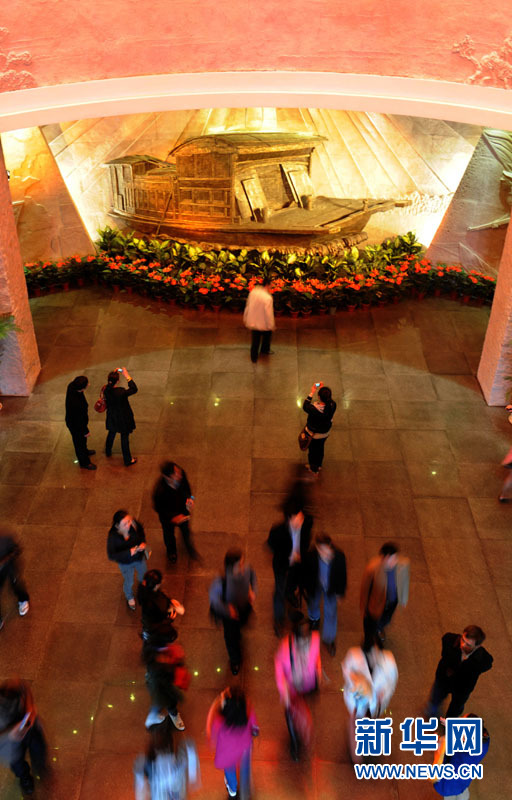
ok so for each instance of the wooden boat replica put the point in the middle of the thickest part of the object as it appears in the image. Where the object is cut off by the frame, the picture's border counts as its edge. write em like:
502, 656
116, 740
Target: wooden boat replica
238, 190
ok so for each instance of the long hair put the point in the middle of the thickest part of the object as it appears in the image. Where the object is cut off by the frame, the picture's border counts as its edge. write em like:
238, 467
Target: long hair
234, 709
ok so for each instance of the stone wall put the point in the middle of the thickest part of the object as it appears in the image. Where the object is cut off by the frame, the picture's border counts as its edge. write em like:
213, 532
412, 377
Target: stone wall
19, 364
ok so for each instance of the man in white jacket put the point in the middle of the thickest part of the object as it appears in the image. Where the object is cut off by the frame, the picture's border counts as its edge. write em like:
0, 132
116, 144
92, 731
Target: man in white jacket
259, 318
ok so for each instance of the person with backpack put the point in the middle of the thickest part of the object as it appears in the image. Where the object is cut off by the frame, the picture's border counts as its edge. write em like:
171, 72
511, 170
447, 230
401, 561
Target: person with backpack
232, 597
166, 679
231, 726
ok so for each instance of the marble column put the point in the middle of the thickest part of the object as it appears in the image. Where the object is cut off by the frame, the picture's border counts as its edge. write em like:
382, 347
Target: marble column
19, 359
496, 360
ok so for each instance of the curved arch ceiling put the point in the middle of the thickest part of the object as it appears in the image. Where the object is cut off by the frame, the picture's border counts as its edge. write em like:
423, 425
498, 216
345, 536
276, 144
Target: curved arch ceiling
481, 105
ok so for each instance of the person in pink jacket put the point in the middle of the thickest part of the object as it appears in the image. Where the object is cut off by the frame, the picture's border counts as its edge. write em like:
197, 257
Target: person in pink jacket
230, 726
298, 670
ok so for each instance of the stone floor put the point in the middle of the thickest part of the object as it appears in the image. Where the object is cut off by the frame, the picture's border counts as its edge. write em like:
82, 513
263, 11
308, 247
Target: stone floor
414, 456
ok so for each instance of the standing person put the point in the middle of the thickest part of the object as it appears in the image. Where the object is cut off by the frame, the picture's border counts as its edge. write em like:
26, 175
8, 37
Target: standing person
173, 501
259, 318
230, 726
20, 730
157, 609
384, 585
232, 597
326, 575
298, 671
458, 788
167, 770
370, 675
289, 542
77, 420
463, 659
319, 423
119, 413
9, 570
126, 544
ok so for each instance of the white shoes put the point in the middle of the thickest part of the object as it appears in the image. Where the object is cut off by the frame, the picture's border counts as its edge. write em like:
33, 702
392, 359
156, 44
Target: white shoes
230, 791
23, 608
154, 718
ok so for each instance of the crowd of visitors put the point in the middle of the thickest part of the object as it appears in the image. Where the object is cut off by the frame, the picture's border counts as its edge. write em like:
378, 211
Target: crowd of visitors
310, 571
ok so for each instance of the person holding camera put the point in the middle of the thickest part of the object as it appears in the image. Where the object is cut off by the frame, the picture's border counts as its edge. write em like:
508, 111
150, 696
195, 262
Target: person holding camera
119, 413
126, 544
320, 414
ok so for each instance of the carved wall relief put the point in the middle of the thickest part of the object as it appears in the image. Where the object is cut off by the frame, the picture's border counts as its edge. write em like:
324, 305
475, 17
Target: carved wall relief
12, 74
494, 67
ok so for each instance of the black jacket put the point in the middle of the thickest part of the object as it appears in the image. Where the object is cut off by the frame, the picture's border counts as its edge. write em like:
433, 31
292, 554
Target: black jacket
169, 502
458, 676
119, 413
118, 548
280, 542
77, 414
319, 421
337, 577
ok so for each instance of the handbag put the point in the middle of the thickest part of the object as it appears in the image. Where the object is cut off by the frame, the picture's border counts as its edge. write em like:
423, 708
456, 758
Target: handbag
101, 404
305, 437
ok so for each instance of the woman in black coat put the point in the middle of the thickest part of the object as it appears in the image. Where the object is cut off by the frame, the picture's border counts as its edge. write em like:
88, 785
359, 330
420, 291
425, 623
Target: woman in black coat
119, 414
320, 414
77, 420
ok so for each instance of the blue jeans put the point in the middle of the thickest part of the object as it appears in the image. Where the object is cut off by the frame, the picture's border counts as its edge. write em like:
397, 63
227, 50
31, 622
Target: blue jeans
330, 625
245, 774
127, 573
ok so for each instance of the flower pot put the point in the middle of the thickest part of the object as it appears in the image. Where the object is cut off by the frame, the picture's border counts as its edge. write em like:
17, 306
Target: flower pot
80, 282
201, 307
65, 286
128, 289
437, 292
116, 288
351, 309
453, 294
365, 306
382, 303
306, 313
37, 291
321, 310
420, 295
465, 298
332, 310
294, 314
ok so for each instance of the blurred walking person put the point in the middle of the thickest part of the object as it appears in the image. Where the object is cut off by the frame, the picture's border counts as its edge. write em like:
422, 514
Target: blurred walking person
298, 671
173, 502
21, 732
232, 598
289, 542
77, 420
259, 318
126, 544
120, 417
166, 679
326, 576
384, 586
370, 676
9, 571
168, 770
231, 726
158, 610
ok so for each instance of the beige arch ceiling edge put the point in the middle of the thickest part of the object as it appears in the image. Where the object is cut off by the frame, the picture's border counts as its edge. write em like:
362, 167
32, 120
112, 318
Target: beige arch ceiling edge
479, 105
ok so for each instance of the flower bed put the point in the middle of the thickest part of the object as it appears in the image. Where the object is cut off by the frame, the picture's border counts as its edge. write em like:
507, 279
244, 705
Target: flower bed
190, 275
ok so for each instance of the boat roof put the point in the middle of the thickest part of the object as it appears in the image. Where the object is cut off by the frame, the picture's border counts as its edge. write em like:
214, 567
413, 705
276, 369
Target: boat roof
137, 159
237, 141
